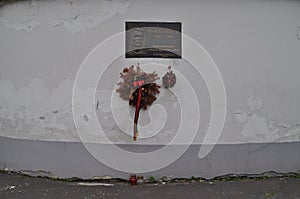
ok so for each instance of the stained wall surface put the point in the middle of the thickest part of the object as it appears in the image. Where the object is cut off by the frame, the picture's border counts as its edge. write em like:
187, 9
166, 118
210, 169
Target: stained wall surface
254, 44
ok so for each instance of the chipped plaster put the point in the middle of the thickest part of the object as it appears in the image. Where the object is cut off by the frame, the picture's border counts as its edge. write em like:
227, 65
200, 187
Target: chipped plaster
36, 112
74, 16
259, 129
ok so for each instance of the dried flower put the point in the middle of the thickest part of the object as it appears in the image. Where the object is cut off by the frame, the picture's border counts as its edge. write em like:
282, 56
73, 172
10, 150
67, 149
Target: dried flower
169, 79
128, 89
139, 88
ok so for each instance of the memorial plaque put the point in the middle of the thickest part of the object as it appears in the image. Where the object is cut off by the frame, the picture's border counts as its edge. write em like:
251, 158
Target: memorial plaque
153, 40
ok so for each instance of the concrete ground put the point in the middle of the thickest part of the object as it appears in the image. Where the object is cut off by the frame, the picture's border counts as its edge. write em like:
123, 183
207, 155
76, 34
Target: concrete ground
20, 186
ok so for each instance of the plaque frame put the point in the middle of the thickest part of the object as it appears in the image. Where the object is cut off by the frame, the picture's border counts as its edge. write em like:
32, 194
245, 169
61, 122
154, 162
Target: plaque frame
154, 39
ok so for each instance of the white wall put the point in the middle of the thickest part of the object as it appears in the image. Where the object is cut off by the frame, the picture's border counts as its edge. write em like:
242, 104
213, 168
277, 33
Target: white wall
255, 44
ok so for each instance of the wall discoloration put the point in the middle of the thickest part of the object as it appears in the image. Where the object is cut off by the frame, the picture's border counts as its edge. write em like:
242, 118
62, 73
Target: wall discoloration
36, 97
74, 16
253, 43
36, 112
23, 25
259, 129
39, 58
86, 20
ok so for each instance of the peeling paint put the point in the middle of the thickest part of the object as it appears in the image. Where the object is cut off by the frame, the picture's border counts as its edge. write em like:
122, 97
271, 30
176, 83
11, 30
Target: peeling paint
93, 18
241, 116
36, 112
23, 26
75, 16
259, 128
287, 126
254, 103
39, 112
31, 111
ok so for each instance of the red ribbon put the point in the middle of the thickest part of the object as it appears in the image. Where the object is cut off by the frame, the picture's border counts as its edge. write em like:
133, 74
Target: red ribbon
137, 112
138, 83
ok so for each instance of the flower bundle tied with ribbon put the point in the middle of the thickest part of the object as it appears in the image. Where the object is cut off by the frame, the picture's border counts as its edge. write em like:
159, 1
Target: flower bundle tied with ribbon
139, 88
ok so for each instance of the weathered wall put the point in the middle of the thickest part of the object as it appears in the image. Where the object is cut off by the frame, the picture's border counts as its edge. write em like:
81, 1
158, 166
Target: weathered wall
255, 45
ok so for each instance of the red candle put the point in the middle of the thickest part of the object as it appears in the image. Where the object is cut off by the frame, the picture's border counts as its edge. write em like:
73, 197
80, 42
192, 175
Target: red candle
133, 180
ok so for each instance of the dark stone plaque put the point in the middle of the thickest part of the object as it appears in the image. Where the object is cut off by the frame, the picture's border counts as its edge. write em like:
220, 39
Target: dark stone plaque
153, 40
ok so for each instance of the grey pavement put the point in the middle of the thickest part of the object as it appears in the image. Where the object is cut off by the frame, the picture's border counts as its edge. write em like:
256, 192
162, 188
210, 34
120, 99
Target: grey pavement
20, 186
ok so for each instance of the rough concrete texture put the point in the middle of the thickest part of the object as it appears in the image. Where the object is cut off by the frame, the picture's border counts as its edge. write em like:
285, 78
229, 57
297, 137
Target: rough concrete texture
16, 186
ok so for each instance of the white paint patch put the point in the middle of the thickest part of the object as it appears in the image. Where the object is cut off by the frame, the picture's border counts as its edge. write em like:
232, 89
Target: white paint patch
293, 131
95, 184
241, 117
36, 112
78, 16
284, 125
254, 103
33, 97
260, 129
12, 187
107, 177
257, 127
36, 97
